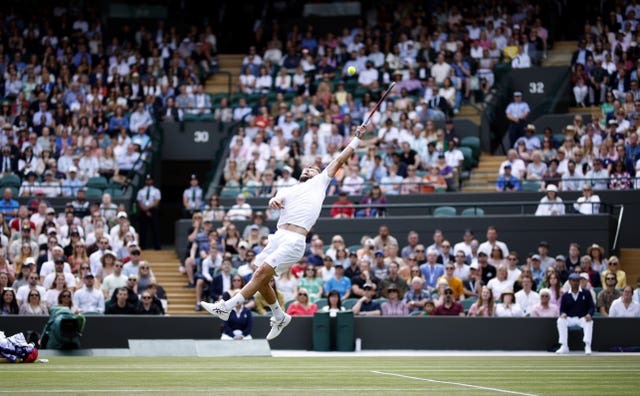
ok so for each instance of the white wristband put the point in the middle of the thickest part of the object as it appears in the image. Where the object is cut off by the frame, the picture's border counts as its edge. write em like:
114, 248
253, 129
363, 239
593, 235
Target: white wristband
355, 142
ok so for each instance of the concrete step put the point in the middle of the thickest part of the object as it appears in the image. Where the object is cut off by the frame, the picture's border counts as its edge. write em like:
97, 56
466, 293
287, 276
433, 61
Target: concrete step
630, 264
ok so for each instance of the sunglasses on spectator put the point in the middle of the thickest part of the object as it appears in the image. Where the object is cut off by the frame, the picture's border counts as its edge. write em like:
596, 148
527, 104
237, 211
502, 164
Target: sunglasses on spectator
34, 295
303, 294
146, 297
419, 251
133, 279
85, 267
448, 292
449, 268
611, 278
613, 263
118, 265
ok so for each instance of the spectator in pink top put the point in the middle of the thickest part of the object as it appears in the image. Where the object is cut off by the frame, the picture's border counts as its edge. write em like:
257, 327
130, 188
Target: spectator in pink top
545, 309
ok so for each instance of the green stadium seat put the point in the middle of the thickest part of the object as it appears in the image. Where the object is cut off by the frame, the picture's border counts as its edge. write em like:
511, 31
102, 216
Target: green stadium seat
467, 303
468, 161
321, 303
287, 303
10, 181
99, 182
530, 185
349, 303
473, 142
94, 193
230, 192
353, 248
441, 211
472, 212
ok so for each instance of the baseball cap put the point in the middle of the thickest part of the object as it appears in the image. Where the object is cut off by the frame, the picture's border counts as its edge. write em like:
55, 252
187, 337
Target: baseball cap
482, 253
122, 214
379, 252
367, 286
51, 211
536, 257
474, 266
58, 260
561, 258
29, 260
544, 243
50, 230
584, 275
338, 265
392, 287
73, 169
517, 93
243, 245
88, 275
574, 276
132, 243
287, 168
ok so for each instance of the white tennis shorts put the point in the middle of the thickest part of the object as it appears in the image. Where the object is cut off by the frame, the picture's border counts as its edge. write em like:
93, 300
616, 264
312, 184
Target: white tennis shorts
284, 248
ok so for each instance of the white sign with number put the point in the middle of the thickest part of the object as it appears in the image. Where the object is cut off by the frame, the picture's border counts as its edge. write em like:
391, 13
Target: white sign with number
200, 136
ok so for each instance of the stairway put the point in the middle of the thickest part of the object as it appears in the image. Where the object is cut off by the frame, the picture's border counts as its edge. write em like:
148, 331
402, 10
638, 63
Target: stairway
219, 82
560, 54
484, 175
164, 264
630, 264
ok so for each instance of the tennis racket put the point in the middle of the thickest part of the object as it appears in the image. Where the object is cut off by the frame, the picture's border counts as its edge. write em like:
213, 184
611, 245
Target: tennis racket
382, 98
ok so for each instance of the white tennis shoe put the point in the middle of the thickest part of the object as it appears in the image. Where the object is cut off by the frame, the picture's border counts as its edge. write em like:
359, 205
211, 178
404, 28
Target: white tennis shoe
216, 309
277, 327
562, 350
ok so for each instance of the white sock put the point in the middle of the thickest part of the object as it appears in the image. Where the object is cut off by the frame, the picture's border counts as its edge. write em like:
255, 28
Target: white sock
277, 312
233, 301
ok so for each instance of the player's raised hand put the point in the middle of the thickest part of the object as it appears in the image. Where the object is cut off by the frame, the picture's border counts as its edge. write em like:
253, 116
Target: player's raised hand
276, 203
361, 130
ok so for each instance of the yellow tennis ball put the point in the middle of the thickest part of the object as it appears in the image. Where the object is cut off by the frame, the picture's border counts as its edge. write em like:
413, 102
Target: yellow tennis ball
351, 70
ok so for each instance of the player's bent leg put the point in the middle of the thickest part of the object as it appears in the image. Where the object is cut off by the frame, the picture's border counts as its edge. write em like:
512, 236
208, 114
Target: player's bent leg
222, 309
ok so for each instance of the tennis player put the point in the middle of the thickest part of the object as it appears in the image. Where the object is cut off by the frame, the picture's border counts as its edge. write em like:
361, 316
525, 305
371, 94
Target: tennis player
300, 207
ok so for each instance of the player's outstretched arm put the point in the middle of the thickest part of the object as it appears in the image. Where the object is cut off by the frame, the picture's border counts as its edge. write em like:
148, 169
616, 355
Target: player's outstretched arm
348, 151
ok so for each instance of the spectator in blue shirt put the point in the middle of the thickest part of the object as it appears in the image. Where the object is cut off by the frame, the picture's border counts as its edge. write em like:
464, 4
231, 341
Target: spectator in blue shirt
8, 205
507, 181
339, 282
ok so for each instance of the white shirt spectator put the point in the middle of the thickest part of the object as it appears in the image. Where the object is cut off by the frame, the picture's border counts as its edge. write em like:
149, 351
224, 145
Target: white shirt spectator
139, 119
112, 281
497, 286
22, 294
49, 267
527, 301
518, 168
88, 300
454, 158
588, 206
69, 279
618, 310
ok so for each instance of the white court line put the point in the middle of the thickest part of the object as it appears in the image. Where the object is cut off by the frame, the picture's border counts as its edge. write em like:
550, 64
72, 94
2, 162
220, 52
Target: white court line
455, 383
217, 389
313, 371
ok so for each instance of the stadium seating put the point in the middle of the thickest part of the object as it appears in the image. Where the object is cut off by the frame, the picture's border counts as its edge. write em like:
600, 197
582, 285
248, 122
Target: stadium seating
10, 181
530, 185
97, 182
472, 212
93, 193
444, 211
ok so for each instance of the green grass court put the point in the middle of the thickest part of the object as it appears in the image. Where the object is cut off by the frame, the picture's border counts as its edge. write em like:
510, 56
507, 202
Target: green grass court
366, 375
